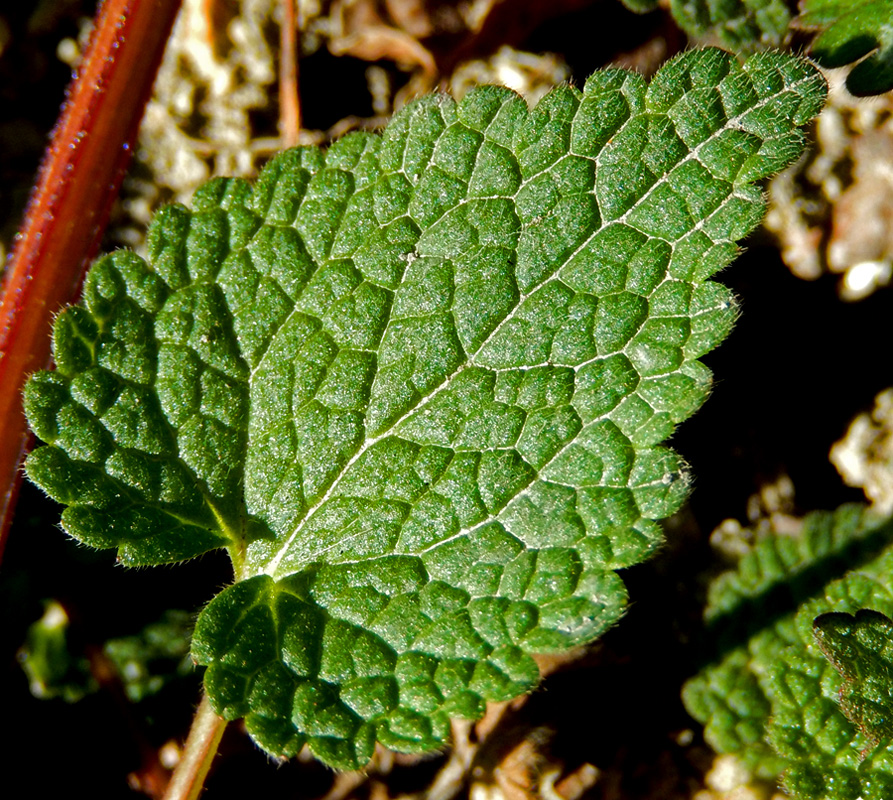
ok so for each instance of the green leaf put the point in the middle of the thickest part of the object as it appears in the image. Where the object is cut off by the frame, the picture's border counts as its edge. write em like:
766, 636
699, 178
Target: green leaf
145, 662
155, 656
851, 30
861, 649
770, 694
52, 666
417, 387
641, 6
737, 24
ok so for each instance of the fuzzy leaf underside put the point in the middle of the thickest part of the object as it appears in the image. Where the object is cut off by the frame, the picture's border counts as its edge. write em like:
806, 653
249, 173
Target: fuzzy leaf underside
417, 386
738, 24
771, 695
850, 30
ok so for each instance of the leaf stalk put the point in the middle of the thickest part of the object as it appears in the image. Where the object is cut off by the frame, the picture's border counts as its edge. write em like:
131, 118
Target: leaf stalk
201, 746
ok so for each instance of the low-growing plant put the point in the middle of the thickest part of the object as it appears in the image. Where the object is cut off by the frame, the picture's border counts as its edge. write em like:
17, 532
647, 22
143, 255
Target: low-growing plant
418, 386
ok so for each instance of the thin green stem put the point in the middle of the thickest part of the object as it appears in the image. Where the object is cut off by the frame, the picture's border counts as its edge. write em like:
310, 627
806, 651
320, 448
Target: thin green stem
204, 737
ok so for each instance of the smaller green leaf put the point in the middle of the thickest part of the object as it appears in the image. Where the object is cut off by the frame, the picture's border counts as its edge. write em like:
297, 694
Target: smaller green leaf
861, 649
56, 662
641, 6
851, 30
740, 24
48, 660
155, 656
737, 24
766, 696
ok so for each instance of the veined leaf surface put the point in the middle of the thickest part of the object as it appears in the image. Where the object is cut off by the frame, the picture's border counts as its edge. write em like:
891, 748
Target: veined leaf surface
860, 646
416, 385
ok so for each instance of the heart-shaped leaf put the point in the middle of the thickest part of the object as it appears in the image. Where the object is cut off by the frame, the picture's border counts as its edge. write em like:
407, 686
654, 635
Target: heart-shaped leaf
417, 386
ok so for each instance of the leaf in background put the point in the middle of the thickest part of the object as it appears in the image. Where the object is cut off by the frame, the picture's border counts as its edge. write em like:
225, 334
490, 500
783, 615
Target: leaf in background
155, 656
47, 658
738, 24
771, 696
144, 662
851, 30
861, 649
641, 6
416, 385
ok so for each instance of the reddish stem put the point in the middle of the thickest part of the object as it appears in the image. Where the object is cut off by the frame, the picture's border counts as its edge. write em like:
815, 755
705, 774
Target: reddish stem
289, 97
68, 210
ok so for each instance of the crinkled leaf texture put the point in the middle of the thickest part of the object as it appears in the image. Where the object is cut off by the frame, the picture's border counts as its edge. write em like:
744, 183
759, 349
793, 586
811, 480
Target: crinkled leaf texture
738, 24
416, 385
770, 694
850, 31
860, 646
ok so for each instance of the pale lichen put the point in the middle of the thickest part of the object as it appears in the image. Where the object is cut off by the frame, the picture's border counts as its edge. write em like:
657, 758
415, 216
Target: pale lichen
832, 211
864, 457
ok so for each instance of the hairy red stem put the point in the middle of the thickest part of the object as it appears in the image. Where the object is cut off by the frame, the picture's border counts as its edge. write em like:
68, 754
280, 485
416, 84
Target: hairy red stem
289, 96
69, 207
